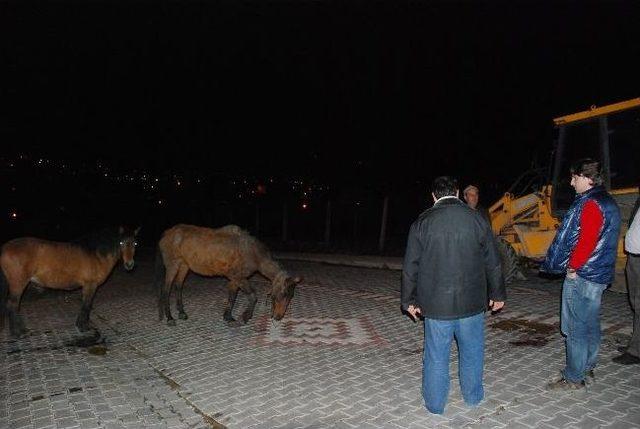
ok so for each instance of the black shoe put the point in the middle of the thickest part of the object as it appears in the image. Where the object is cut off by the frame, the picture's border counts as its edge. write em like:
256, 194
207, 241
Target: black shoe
622, 349
589, 377
565, 385
626, 359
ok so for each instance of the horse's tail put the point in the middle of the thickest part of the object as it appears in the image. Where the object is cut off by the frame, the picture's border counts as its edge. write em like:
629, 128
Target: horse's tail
4, 295
158, 278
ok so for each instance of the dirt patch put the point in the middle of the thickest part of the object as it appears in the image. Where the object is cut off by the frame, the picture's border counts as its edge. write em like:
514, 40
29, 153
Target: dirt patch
169, 382
97, 350
211, 421
533, 334
86, 341
415, 351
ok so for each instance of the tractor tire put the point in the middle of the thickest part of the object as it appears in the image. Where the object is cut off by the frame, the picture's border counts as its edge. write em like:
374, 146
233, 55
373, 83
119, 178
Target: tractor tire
510, 262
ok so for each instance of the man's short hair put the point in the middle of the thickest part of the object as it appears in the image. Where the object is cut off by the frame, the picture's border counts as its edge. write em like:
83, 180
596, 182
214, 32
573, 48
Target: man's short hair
589, 168
444, 186
470, 188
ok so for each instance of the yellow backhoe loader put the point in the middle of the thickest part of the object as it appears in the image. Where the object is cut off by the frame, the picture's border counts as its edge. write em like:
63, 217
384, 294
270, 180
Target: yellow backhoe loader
526, 218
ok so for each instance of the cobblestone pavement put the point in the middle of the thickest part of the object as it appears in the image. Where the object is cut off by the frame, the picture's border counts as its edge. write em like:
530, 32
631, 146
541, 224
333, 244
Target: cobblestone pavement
343, 357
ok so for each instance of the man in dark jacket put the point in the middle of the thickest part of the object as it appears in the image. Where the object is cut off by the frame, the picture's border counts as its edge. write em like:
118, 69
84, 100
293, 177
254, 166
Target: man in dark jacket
471, 195
585, 248
451, 273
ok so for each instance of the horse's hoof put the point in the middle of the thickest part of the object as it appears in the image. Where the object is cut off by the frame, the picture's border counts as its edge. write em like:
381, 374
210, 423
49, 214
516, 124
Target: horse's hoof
19, 333
183, 316
228, 318
235, 323
83, 329
246, 318
171, 322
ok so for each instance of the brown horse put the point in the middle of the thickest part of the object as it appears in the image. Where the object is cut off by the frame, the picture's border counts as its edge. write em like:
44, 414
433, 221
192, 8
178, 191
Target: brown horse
85, 263
228, 251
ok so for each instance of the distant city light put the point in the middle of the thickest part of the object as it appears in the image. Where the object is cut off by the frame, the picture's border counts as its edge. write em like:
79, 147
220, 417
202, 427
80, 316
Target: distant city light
244, 188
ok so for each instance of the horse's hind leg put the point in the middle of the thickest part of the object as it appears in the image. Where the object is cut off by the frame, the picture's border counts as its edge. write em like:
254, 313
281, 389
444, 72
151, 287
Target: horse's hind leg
16, 284
166, 294
246, 287
232, 288
82, 322
182, 274
16, 322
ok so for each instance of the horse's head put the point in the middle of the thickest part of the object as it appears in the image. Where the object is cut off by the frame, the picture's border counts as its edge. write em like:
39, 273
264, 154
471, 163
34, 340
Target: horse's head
281, 294
128, 245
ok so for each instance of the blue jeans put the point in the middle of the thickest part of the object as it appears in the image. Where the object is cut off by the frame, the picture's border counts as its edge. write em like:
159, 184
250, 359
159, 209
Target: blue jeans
580, 324
438, 334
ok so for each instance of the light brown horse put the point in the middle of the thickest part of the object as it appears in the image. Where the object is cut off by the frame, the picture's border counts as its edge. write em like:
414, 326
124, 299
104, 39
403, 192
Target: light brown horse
228, 251
85, 263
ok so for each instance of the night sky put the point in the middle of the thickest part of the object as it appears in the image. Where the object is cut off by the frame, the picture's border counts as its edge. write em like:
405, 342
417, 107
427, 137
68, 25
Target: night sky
375, 91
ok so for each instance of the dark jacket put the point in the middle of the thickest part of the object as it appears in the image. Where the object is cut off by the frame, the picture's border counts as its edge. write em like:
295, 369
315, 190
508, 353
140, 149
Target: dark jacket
484, 212
600, 267
451, 266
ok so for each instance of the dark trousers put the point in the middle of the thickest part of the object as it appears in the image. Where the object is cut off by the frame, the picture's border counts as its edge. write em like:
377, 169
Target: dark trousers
633, 285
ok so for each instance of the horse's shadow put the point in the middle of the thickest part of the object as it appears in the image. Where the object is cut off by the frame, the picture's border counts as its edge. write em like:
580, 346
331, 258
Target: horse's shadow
90, 341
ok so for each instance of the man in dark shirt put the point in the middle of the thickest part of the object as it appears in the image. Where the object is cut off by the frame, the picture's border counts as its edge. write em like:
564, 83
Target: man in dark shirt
631, 353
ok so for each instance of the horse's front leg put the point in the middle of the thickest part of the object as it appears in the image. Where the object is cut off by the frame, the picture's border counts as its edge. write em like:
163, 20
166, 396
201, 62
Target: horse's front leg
246, 287
232, 288
82, 322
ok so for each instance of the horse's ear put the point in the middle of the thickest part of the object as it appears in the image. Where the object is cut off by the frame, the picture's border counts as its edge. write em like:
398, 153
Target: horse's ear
137, 230
120, 230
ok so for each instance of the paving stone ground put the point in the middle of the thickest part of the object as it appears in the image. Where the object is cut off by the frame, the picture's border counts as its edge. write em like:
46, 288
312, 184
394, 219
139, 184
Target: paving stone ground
343, 357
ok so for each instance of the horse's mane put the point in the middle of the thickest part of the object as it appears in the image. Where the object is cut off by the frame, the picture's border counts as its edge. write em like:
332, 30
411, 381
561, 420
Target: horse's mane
104, 242
250, 243
233, 229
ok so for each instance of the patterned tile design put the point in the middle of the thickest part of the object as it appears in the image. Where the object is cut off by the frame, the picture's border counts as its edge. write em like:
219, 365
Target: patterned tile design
321, 331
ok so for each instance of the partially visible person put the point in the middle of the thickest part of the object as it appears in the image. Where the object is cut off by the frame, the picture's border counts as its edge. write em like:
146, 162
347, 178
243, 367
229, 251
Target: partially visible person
471, 195
631, 354
451, 275
584, 249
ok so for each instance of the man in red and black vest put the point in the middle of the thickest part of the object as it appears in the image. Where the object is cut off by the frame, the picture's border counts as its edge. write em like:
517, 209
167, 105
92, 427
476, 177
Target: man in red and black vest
585, 248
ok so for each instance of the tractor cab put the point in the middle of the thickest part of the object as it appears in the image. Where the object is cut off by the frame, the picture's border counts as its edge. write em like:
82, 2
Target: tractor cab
610, 134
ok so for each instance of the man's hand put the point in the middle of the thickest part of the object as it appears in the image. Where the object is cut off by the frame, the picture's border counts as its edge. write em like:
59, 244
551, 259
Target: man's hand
414, 312
495, 305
